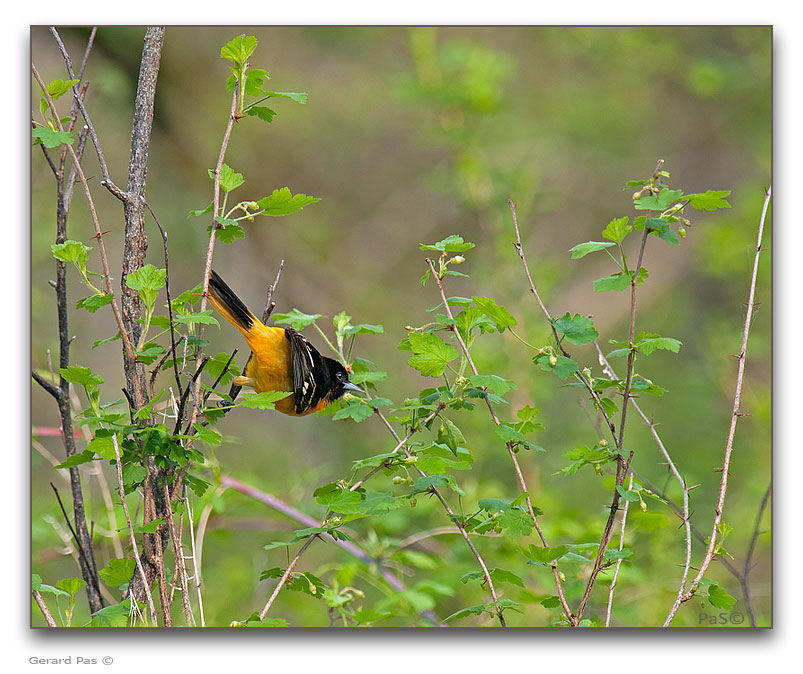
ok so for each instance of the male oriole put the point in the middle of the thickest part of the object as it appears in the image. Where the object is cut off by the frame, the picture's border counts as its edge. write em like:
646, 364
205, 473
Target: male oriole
282, 360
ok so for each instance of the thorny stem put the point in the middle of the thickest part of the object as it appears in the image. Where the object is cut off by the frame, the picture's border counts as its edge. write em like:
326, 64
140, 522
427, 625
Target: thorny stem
735, 415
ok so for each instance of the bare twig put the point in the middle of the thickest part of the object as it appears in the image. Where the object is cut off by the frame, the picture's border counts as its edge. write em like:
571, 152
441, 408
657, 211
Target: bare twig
735, 415
618, 561
40, 602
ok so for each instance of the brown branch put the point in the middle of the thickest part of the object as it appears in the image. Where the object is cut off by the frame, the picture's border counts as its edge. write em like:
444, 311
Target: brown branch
735, 415
40, 602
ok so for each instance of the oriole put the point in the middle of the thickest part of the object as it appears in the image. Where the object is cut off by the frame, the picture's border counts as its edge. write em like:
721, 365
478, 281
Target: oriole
282, 359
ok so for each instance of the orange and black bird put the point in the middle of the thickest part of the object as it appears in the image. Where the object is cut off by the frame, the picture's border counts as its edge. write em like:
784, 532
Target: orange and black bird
282, 359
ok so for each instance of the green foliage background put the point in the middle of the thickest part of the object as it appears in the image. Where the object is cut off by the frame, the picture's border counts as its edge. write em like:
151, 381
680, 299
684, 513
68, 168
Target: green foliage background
410, 135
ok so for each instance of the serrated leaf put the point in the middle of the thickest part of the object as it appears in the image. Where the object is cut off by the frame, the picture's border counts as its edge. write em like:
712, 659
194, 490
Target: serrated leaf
663, 200
451, 244
710, 200
578, 329
94, 302
261, 112
263, 401
118, 572
617, 230
497, 313
296, 319
583, 249
239, 49
430, 354
648, 343
283, 202
77, 374
50, 138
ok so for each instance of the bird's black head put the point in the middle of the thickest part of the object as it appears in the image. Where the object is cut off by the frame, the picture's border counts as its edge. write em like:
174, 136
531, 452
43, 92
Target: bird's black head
339, 379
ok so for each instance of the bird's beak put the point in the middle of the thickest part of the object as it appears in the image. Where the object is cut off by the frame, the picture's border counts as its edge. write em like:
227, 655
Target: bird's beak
352, 387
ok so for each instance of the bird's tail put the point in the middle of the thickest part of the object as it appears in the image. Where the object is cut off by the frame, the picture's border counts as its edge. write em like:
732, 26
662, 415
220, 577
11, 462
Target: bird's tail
230, 306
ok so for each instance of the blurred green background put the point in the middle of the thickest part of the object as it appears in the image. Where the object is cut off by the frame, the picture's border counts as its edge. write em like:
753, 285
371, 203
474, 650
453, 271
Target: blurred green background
410, 135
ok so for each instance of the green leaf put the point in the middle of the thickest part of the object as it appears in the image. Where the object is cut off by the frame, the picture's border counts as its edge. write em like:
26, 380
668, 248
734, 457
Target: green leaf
430, 354
364, 329
367, 616
207, 435
298, 97
617, 230
618, 281
71, 251
709, 201
545, 555
77, 374
717, 597
379, 503
206, 210
451, 244
508, 434
77, 459
94, 302
229, 232
263, 401
70, 585
450, 436
647, 343
497, 313
282, 202
630, 496
660, 202
229, 178
583, 249
58, 87
50, 138
261, 112
578, 329
427, 482
493, 505
296, 319
516, 523
254, 80
118, 572
115, 615
338, 499
563, 366
355, 409
239, 49
492, 382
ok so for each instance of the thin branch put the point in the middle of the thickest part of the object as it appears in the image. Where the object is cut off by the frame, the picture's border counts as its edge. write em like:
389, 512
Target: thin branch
508, 445
121, 485
129, 349
735, 415
40, 602
84, 554
608, 370
181, 571
618, 561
